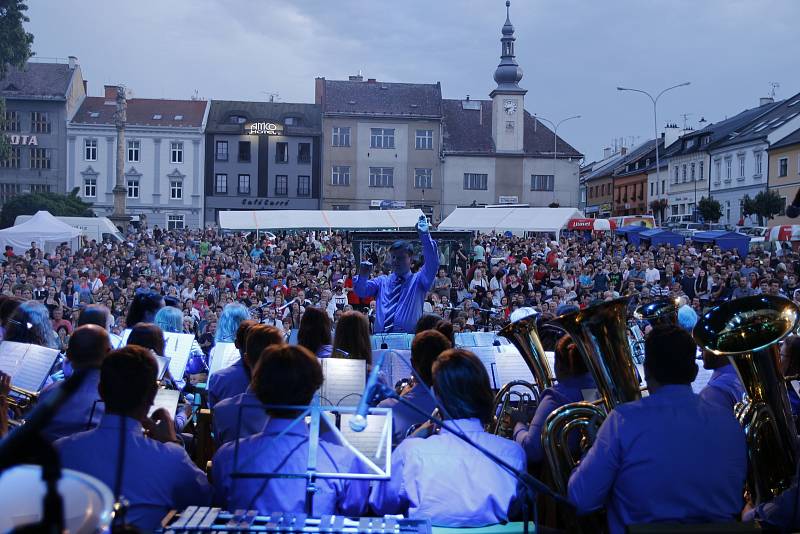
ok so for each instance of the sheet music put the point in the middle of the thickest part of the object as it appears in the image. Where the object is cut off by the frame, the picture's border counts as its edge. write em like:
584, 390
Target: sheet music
163, 364
344, 381
28, 365
124, 338
396, 365
465, 339
396, 341
167, 399
487, 356
221, 356
703, 376
485, 339
369, 441
509, 366
178, 347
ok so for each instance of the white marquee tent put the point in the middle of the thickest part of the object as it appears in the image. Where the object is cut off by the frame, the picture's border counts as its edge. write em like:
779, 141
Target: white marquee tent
516, 220
318, 219
43, 229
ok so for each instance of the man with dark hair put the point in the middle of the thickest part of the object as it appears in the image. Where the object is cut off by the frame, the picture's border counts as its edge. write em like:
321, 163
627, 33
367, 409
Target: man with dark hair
287, 375
441, 477
425, 348
228, 425
150, 467
88, 347
670, 456
233, 379
724, 387
401, 294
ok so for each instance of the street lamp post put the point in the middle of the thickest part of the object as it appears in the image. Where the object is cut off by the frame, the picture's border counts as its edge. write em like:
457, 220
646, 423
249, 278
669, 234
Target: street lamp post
655, 120
555, 137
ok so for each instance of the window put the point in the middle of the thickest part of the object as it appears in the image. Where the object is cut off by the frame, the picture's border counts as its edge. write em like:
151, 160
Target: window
692, 171
221, 151
40, 188
244, 150
303, 186
90, 187
304, 153
675, 177
176, 152
40, 158
476, 181
341, 207
12, 161
40, 122
244, 184
221, 184
281, 152
741, 167
237, 119
90, 149
340, 175
663, 187
718, 170
340, 136
423, 178
290, 121
651, 188
381, 177
11, 122
281, 185
424, 140
176, 189
700, 171
175, 222
684, 172
728, 168
381, 138
133, 188
783, 167
758, 163
543, 182
8, 191
133, 150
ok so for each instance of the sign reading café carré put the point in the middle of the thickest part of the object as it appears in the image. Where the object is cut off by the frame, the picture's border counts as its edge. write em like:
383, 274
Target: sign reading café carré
263, 128
22, 140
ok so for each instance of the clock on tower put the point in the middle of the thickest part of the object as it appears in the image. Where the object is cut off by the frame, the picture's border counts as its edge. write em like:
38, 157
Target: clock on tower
510, 107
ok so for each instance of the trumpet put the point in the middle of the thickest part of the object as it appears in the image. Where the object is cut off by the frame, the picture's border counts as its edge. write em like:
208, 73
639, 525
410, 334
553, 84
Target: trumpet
22, 399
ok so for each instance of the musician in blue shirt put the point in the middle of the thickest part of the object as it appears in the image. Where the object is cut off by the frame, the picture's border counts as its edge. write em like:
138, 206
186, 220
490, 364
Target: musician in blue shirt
232, 380
400, 295
669, 457
239, 416
287, 375
88, 346
724, 387
150, 467
443, 478
575, 384
790, 368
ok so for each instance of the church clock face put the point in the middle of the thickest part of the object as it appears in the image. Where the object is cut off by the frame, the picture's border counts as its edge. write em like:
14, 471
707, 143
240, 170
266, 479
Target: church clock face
510, 107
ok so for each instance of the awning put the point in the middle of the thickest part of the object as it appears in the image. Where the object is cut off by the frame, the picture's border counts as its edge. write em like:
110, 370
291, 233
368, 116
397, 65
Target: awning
516, 220
596, 225
319, 219
785, 232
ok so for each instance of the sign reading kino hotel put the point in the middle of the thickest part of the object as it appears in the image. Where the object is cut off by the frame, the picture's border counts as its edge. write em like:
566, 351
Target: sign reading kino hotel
27, 140
264, 128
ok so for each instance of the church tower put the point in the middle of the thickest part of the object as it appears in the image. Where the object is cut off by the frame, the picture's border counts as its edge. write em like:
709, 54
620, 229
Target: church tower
508, 98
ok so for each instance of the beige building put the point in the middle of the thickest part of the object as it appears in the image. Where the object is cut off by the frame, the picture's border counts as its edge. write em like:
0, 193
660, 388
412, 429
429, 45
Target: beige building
784, 171
381, 145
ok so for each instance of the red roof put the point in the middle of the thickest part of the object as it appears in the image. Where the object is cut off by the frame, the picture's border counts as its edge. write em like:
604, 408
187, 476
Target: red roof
143, 112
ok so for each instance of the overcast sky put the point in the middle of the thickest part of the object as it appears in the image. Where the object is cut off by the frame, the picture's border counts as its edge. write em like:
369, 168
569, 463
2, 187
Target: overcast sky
574, 53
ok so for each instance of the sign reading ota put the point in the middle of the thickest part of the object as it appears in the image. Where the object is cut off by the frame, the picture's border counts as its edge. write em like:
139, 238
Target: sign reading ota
264, 128
24, 140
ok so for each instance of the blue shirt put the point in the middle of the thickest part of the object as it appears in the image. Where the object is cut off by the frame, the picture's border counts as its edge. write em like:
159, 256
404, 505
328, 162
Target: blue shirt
75, 414
415, 287
564, 392
156, 476
723, 388
667, 457
781, 512
447, 481
230, 425
265, 452
404, 417
228, 382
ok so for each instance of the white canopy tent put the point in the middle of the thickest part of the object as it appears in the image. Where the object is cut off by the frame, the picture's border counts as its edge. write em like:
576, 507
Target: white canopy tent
516, 220
44, 230
318, 219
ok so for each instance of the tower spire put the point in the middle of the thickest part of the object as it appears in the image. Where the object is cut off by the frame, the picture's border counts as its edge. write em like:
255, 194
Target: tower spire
508, 73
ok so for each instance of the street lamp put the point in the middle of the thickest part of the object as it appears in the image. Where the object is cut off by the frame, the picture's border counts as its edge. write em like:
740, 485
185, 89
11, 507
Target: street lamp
655, 119
555, 137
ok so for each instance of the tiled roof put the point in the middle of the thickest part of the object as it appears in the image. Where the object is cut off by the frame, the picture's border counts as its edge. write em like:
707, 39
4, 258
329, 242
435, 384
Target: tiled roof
641, 154
605, 169
377, 98
469, 132
759, 128
791, 139
143, 112
309, 117
37, 80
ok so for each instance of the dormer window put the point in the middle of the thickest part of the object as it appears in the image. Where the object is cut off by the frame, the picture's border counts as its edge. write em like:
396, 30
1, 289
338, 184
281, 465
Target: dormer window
290, 121
237, 119
157, 117
178, 117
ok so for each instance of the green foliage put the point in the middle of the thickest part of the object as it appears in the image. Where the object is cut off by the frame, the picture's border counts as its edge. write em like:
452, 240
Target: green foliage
709, 209
59, 205
766, 205
15, 48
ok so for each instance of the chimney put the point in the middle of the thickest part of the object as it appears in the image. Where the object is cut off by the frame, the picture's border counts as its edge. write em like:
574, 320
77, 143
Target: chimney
357, 78
86, 87
73, 62
110, 93
319, 89
671, 134
623, 150
764, 100
607, 152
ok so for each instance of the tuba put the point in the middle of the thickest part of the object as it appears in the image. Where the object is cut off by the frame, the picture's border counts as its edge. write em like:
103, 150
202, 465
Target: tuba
659, 312
600, 333
748, 330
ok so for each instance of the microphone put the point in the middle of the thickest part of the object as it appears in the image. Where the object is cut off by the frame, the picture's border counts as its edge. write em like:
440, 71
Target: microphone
359, 422
793, 210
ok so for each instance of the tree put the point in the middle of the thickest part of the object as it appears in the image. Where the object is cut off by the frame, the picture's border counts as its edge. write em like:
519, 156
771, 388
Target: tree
709, 209
15, 48
658, 206
766, 205
554, 205
59, 205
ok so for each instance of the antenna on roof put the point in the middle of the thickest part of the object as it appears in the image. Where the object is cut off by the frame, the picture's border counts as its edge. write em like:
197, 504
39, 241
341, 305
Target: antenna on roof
686, 120
273, 97
773, 89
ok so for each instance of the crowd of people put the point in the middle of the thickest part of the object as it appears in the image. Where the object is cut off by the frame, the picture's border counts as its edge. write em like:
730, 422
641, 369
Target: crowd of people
256, 293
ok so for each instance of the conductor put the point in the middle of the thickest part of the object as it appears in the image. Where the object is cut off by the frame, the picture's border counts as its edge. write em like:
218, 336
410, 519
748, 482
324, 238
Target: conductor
401, 294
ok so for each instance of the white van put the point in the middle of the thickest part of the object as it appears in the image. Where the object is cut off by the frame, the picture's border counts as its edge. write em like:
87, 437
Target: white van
674, 220
96, 228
